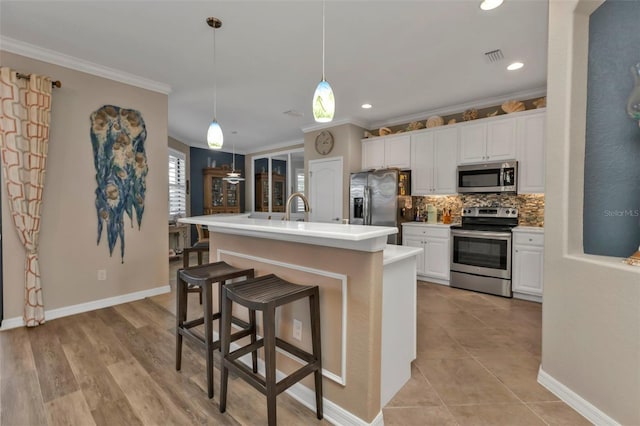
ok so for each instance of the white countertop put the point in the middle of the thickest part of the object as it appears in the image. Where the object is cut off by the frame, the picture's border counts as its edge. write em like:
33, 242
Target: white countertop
536, 229
393, 253
355, 237
436, 225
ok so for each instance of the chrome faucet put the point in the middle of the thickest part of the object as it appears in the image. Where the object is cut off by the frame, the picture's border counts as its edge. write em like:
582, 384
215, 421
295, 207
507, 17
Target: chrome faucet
287, 211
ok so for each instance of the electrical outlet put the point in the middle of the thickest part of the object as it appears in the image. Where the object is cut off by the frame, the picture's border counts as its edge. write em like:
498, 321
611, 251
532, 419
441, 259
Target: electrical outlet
102, 274
297, 329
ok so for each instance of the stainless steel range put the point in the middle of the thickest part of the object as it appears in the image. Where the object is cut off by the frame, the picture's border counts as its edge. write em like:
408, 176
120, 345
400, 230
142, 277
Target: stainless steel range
481, 250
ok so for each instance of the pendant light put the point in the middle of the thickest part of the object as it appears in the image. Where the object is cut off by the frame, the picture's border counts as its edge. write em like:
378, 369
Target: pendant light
233, 177
214, 134
324, 103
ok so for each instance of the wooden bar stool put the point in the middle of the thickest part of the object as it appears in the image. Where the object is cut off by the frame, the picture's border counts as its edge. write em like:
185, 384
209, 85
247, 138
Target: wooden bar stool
266, 294
203, 277
186, 262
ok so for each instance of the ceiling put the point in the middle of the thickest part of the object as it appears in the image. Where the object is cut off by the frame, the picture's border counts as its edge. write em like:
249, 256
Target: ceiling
406, 58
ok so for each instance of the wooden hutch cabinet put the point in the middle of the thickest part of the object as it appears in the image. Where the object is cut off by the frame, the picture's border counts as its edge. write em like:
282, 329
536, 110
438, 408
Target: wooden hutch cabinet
219, 195
278, 191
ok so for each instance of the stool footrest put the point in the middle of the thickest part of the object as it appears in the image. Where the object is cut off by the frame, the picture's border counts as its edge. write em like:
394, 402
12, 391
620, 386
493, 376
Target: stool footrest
199, 321
258, 382
246, 349
304, 355
295, 377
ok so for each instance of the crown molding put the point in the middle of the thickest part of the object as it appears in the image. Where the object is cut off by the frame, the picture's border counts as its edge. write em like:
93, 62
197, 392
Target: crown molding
454, 109
321, 126
51, 56
295, 144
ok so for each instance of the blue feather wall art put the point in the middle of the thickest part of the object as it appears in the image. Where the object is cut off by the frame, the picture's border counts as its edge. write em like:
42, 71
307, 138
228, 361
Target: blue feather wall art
118, 136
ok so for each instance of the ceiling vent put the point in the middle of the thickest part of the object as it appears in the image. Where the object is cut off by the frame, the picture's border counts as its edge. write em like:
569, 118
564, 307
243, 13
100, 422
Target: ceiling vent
494, 55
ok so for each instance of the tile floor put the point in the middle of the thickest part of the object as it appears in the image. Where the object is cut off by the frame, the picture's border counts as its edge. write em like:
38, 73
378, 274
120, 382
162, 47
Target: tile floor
477, 364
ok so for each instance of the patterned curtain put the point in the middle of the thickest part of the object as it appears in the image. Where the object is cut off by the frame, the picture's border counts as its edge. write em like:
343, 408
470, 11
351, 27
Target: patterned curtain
25, 111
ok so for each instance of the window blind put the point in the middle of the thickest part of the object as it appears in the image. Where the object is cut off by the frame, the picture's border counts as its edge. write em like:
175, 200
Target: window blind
177, 184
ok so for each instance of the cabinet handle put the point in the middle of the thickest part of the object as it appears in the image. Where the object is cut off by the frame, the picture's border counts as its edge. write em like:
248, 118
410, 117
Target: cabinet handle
530, 239
517, 251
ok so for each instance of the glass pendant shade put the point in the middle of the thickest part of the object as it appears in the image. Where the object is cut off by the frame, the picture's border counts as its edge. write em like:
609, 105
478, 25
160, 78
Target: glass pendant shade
324, 103
214, 135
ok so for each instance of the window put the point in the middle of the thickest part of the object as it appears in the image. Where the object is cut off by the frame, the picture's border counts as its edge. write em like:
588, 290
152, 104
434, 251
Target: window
177, 184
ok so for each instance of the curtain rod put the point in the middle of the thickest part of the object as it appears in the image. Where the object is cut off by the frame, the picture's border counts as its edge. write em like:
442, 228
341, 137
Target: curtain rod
54, 83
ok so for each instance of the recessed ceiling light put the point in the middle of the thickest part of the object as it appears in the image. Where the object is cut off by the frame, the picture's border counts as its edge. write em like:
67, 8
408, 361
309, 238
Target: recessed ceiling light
490, 4
366, 106
515, 66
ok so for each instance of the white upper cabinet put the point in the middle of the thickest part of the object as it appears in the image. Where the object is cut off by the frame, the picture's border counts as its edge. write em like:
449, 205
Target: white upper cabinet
531, 153
473, 143
501, 139
397, 151
433, 154
433, 161
422, 163
492, 139
390, 151
373, 154
445, 154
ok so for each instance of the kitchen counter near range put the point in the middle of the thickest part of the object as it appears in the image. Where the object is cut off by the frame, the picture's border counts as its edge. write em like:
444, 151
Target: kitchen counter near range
436, 225
521, 228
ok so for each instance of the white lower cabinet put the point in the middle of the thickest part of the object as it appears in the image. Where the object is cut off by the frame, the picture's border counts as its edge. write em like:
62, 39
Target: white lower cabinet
433, 263
528, 263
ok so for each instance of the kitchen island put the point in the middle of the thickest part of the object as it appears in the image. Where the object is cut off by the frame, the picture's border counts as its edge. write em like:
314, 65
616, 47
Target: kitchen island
367, 303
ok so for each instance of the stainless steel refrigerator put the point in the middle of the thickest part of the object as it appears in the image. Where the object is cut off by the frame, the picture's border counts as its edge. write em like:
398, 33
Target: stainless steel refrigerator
378, 198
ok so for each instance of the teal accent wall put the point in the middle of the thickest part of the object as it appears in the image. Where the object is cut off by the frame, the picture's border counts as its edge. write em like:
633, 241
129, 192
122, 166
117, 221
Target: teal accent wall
201, 159
612, 153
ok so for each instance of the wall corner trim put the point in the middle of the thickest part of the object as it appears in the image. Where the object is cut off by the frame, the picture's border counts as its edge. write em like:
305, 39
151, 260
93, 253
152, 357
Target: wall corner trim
51, 56
575, 401
88, 306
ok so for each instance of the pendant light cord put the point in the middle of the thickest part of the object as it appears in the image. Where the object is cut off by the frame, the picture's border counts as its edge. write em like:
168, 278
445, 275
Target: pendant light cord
323, 3
215, 79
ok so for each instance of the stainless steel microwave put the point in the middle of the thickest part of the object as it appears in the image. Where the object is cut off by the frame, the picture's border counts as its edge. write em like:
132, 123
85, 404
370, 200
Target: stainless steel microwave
488, 177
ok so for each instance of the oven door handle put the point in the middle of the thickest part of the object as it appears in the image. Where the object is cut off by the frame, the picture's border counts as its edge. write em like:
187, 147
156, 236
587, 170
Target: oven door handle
482, 234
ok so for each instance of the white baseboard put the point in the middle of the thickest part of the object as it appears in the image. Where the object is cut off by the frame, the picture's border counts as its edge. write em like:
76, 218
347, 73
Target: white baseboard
575, 401
528, 297
432, 280
88, 306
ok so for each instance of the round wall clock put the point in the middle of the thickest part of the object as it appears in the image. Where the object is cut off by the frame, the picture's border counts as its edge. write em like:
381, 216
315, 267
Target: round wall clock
324, 142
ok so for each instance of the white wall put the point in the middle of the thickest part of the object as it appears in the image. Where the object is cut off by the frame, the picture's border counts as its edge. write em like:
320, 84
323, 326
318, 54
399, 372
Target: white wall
591, 310
69, 255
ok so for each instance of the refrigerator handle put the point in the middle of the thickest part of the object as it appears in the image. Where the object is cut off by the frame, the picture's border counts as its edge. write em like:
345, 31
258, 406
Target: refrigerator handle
366, 213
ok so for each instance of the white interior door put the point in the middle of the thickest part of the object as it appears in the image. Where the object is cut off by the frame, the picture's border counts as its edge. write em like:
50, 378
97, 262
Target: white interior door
325, 190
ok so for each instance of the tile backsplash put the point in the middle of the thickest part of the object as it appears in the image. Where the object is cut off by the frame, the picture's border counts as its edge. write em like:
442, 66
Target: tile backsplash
530, 206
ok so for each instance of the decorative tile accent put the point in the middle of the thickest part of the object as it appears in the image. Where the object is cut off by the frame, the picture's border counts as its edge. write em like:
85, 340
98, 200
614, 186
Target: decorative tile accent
530, 206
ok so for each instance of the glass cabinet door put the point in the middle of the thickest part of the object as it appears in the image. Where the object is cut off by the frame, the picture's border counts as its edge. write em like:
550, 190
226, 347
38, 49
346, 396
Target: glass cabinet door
232, 199
277, 203
217, 192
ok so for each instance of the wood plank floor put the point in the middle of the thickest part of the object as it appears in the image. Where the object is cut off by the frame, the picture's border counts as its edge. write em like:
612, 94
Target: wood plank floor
477, 363
116, 366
